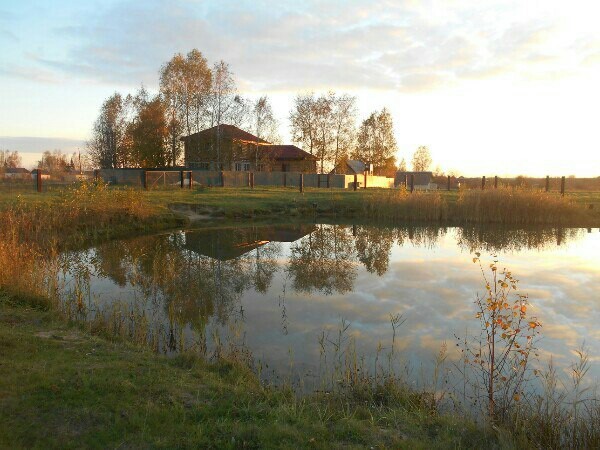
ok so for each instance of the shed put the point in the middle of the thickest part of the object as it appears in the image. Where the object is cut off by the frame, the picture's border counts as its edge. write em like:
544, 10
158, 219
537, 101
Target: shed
423, 180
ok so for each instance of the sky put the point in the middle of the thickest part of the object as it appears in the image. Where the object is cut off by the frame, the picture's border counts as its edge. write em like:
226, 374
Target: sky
491, 87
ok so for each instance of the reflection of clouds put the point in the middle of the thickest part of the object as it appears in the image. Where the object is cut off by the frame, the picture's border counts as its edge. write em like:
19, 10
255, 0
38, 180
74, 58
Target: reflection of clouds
433, 283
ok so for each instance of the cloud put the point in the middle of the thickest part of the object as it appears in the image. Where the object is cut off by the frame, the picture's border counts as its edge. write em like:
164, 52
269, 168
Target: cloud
311, 45
26, 144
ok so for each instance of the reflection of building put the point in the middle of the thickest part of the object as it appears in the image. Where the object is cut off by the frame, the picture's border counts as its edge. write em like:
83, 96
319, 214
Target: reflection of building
230, 243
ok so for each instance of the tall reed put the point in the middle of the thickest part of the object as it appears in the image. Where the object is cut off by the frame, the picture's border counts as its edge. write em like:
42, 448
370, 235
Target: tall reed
398, 204
508, 205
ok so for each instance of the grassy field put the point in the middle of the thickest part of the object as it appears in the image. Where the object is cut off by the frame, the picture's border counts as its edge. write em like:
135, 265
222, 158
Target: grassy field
576, 209
63, 388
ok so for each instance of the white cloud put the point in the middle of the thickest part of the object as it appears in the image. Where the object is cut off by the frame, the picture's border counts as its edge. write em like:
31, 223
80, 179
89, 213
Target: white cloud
409, 46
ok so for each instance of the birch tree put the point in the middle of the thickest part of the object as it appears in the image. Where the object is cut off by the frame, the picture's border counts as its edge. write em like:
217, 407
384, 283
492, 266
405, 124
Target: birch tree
344, 121
108, 146
421, 159
376, 142
303, 121
222, 98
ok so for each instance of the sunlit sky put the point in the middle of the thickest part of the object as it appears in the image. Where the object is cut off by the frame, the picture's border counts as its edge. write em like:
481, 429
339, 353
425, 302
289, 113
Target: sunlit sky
492, 87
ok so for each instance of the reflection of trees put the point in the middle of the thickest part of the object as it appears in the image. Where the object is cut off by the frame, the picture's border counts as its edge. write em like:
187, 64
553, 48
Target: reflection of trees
265, 265
190, 286
373, 246
497, 238
323, 261
419, 236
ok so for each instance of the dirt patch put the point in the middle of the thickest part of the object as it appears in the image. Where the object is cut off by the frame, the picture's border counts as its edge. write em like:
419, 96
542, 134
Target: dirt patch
195, 213
59, 335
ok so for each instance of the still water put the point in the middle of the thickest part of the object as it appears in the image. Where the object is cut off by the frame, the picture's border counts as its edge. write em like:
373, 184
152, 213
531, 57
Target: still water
276, 290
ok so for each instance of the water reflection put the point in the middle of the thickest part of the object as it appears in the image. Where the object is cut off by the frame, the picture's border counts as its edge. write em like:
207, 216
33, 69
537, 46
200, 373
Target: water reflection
277, 287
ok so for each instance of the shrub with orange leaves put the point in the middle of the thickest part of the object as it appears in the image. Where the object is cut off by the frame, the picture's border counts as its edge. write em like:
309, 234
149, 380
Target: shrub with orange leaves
500, 355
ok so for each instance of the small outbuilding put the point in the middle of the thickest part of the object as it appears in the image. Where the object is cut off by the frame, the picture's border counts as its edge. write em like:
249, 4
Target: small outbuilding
15, 173
352, 167
423, 181
45, 174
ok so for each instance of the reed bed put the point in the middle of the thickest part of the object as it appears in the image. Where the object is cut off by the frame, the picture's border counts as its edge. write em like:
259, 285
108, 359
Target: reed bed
399, 205
516, 206
33, 234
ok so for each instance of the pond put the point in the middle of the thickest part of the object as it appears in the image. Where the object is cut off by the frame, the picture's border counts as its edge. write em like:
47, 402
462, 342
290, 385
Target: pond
289, 296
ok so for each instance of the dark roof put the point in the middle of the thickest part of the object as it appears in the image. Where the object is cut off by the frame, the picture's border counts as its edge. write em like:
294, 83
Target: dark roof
16, 170
356, 166
44, 172
227, 131
230, 243
284, 152
421, 178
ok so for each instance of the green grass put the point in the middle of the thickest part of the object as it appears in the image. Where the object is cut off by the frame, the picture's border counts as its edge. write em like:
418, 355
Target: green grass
63, 388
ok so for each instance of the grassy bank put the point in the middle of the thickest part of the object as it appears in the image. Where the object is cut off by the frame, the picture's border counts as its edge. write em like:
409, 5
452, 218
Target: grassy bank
506, 206
63, 388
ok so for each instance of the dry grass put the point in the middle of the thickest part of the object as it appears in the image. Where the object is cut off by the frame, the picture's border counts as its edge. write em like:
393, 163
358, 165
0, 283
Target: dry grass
508, 205
400, 205
34, 233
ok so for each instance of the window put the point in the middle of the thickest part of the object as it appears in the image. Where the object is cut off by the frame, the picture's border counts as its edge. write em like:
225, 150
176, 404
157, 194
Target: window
242, 166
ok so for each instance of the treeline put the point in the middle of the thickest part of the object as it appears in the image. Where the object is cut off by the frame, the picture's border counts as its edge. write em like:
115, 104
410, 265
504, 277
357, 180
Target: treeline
144, 130
141, 130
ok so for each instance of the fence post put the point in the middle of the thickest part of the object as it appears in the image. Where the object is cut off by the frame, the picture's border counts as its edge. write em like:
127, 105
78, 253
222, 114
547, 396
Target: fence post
252, 180
355, 181
365, 186
412, 183
562, 186
96, 174
496, 182
547, 183
483, 182
39, 180
284, 179
146, 179
301, 182
181, 179
191, 182
448, 182
222, 179
328, 181
405, 181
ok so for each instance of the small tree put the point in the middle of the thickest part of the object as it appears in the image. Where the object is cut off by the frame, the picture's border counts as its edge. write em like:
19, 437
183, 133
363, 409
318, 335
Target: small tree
421, 159
501, 354
402, 167
9, 159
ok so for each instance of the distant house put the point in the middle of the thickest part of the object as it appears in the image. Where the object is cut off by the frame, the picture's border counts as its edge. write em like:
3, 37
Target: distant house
15, 173
45, 174
423, 180
351, 167
238, 150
